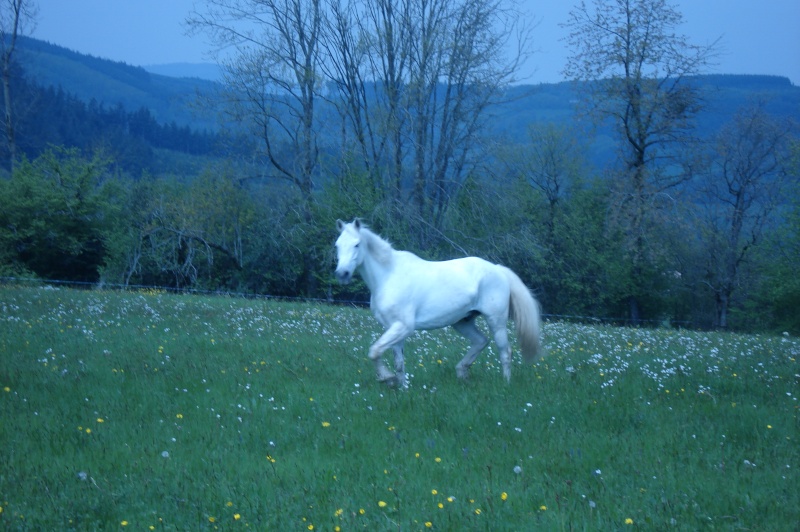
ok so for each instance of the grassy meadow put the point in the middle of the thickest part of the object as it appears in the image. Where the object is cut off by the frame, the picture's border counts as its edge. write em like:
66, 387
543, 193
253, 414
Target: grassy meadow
153, 411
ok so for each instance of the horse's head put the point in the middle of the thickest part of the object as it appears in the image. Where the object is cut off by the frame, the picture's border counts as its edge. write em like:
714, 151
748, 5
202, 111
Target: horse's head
349, 252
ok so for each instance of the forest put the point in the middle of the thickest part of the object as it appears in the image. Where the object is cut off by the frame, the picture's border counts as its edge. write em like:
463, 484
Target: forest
633, 203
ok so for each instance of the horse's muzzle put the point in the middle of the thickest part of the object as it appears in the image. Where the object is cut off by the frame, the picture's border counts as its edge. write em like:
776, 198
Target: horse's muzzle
344, 276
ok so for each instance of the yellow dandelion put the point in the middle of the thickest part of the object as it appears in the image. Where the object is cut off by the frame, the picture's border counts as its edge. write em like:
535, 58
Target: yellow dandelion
477, 511
236, 517
382, 504
123, 523
326, 424
437, 460
212, 519
543, 507
88, 431
434, 492
338, 513
769, 426
628, 521
101, 420
6, 389
504, 496
428, 524
229, 504
179, 416
440, 505
311, 527
361, 511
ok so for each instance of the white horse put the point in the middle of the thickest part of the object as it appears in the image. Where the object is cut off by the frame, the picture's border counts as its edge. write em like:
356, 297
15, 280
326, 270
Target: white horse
409, 293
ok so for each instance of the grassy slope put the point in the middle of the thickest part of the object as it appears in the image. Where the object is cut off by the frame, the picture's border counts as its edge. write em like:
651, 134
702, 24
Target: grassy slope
153, 410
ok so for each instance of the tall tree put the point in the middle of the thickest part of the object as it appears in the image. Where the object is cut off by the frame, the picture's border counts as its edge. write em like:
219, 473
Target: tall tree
16, 18
637, 66
272, 76
414, 79
742, 190
273, 81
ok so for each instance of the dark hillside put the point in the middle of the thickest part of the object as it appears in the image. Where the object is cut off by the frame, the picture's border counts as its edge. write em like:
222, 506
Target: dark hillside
169, 102
110, 82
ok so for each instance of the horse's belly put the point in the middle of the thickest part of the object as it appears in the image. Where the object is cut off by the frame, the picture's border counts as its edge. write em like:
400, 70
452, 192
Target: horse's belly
442, 305
436, 318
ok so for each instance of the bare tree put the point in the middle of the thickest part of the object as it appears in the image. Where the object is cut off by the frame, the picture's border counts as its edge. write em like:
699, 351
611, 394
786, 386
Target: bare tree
741, 191
17, 17
367, 47
636, 68
415, 78
272, 76
411, 80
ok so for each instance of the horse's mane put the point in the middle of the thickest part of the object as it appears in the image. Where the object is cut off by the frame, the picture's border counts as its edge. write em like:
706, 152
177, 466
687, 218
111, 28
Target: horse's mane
379, 248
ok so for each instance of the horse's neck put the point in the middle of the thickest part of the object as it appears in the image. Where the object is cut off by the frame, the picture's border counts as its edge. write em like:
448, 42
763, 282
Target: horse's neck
374, 271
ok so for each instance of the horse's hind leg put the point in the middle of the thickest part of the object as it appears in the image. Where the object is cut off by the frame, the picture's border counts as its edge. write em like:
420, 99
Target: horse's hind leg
399, 364
478, 341
500, 333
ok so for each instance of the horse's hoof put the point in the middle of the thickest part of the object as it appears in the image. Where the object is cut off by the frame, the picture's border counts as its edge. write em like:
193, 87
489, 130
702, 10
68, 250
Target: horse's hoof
389, 380
462, 373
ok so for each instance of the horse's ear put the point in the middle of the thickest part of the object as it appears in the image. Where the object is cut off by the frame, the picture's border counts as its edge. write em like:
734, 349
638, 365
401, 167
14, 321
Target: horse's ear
357, 224
339, 225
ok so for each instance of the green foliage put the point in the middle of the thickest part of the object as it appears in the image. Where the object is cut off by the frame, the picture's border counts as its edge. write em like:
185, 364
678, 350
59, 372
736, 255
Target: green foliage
144, 409
200, 219
56, 216
777, 297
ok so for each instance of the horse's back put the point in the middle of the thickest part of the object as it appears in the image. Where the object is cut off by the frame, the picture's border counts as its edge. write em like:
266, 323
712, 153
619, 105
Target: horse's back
439, 293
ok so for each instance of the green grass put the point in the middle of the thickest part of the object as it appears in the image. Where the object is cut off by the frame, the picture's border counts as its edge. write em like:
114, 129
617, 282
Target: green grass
154, 411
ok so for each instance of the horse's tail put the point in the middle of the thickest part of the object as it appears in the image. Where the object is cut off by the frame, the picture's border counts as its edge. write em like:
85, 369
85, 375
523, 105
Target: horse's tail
524, 310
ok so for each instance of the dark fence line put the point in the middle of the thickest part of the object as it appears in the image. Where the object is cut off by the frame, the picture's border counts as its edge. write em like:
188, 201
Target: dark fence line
86, 285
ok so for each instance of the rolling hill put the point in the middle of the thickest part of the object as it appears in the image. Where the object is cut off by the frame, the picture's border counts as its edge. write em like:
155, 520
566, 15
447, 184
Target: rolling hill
169, 98
170, 93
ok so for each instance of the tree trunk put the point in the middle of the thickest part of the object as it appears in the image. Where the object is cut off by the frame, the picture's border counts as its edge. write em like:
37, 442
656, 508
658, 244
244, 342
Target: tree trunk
723, 302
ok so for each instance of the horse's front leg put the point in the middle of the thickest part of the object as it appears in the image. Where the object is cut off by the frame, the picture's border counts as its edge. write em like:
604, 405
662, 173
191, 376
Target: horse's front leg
393, 336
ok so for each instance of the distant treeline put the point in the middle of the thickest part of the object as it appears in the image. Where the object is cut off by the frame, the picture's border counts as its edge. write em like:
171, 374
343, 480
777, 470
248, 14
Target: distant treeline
51, 116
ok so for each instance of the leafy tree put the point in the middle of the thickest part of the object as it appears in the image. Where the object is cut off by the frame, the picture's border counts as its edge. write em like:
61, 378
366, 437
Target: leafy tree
637, 69
55, 216
195, 234
780, 295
